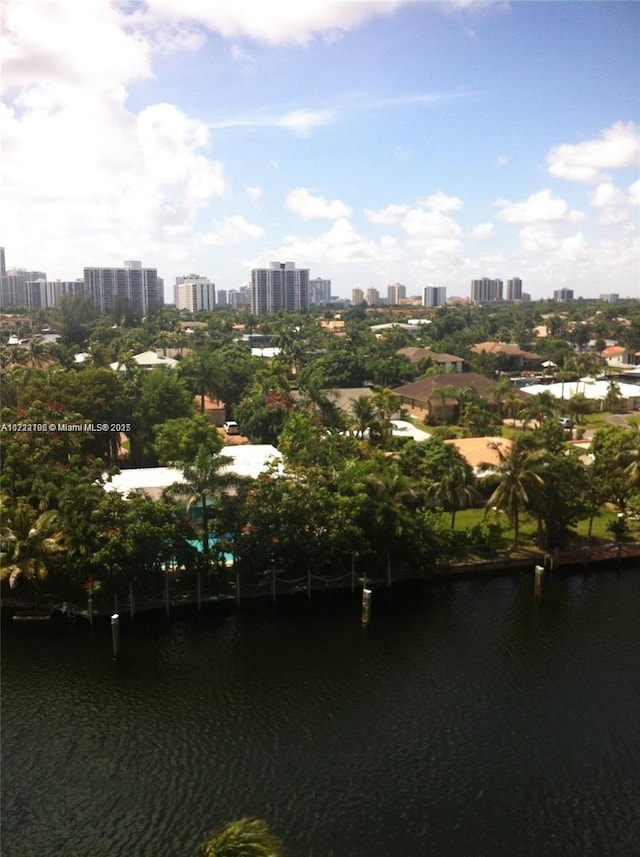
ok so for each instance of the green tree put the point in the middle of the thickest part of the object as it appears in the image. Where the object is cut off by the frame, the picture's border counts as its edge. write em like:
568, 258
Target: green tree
517, 481
30, 543
180, 439
205, 481
248, 837
456, 488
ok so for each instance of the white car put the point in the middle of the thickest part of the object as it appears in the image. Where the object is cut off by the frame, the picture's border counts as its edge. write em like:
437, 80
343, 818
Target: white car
231, 427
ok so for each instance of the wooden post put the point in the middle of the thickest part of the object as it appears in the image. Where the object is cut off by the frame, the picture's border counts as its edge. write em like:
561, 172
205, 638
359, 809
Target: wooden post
115, 603
539, 572
115, 633
366, 607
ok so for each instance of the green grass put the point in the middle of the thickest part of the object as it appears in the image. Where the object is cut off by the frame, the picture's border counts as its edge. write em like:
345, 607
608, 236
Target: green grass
466, 519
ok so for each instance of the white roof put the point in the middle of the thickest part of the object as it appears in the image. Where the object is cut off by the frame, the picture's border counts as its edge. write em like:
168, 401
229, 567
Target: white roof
403, 428
247, 460
590, 388
150, 359
265, 352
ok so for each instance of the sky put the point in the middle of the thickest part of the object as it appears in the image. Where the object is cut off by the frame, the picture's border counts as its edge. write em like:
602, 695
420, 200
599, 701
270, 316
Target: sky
371, 142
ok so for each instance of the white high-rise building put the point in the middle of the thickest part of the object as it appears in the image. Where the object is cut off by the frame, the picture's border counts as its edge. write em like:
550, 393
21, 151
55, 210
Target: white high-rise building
319, 292
434, 296
281, 286
131, 285
195, 293
14, 286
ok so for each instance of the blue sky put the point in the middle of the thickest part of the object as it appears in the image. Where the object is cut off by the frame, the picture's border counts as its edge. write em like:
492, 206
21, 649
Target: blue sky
372, 142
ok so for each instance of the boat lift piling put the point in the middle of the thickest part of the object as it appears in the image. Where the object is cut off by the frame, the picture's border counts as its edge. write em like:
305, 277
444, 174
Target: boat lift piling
115, 634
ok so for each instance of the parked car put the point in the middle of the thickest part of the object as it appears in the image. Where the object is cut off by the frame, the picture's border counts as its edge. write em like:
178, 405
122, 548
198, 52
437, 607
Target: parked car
566, 422
231, 427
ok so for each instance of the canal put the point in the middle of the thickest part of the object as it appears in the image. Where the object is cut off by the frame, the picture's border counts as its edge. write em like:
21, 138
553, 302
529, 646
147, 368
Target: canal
470, 721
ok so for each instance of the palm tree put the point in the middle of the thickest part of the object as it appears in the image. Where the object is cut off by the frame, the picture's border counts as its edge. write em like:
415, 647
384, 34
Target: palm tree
205, 481
364, 414
517, 481
513, 403
29, 541
455, 490
248, 837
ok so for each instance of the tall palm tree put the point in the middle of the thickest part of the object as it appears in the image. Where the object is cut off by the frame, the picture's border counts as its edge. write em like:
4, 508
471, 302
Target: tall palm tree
205, 481
364, 414
455, 489
248, 837
517, 480
29, 542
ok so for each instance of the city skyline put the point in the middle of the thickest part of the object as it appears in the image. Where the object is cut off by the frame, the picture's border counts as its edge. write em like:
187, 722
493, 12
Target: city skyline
372, 143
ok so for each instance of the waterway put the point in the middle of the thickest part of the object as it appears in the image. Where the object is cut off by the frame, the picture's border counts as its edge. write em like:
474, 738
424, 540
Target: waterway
472, 721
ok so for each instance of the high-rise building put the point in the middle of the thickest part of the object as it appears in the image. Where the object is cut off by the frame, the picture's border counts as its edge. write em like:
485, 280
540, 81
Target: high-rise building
14, 286
222, 300
319, 292
396, 294
357, 297
281, 286
486, 291
611, 298
561, 295
434, 296
514, 289
373, 297
57, 289
194, 293
131, 285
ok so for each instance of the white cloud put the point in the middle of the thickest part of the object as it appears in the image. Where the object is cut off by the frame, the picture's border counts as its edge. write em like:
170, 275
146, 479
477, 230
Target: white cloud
299, 122
483, 232
339, 245
441, 202
254, 192
307, 206
502, 161
390, 214
538, 208
421, 225
53, 47
633, 194
232, 230
618, 147
276, 22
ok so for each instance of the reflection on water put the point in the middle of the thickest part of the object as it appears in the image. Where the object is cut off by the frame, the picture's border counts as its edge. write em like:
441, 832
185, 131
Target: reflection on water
473, 721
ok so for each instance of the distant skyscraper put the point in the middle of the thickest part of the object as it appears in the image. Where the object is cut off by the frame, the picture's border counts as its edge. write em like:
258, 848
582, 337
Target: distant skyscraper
281, 286
195, 293
319, 292
434, 296
561, 295
396, 294
57, 289
612, 298
3, 267
357, 297
222, 298
514, 289
14, 286
486, 291
373, 297
131, 285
